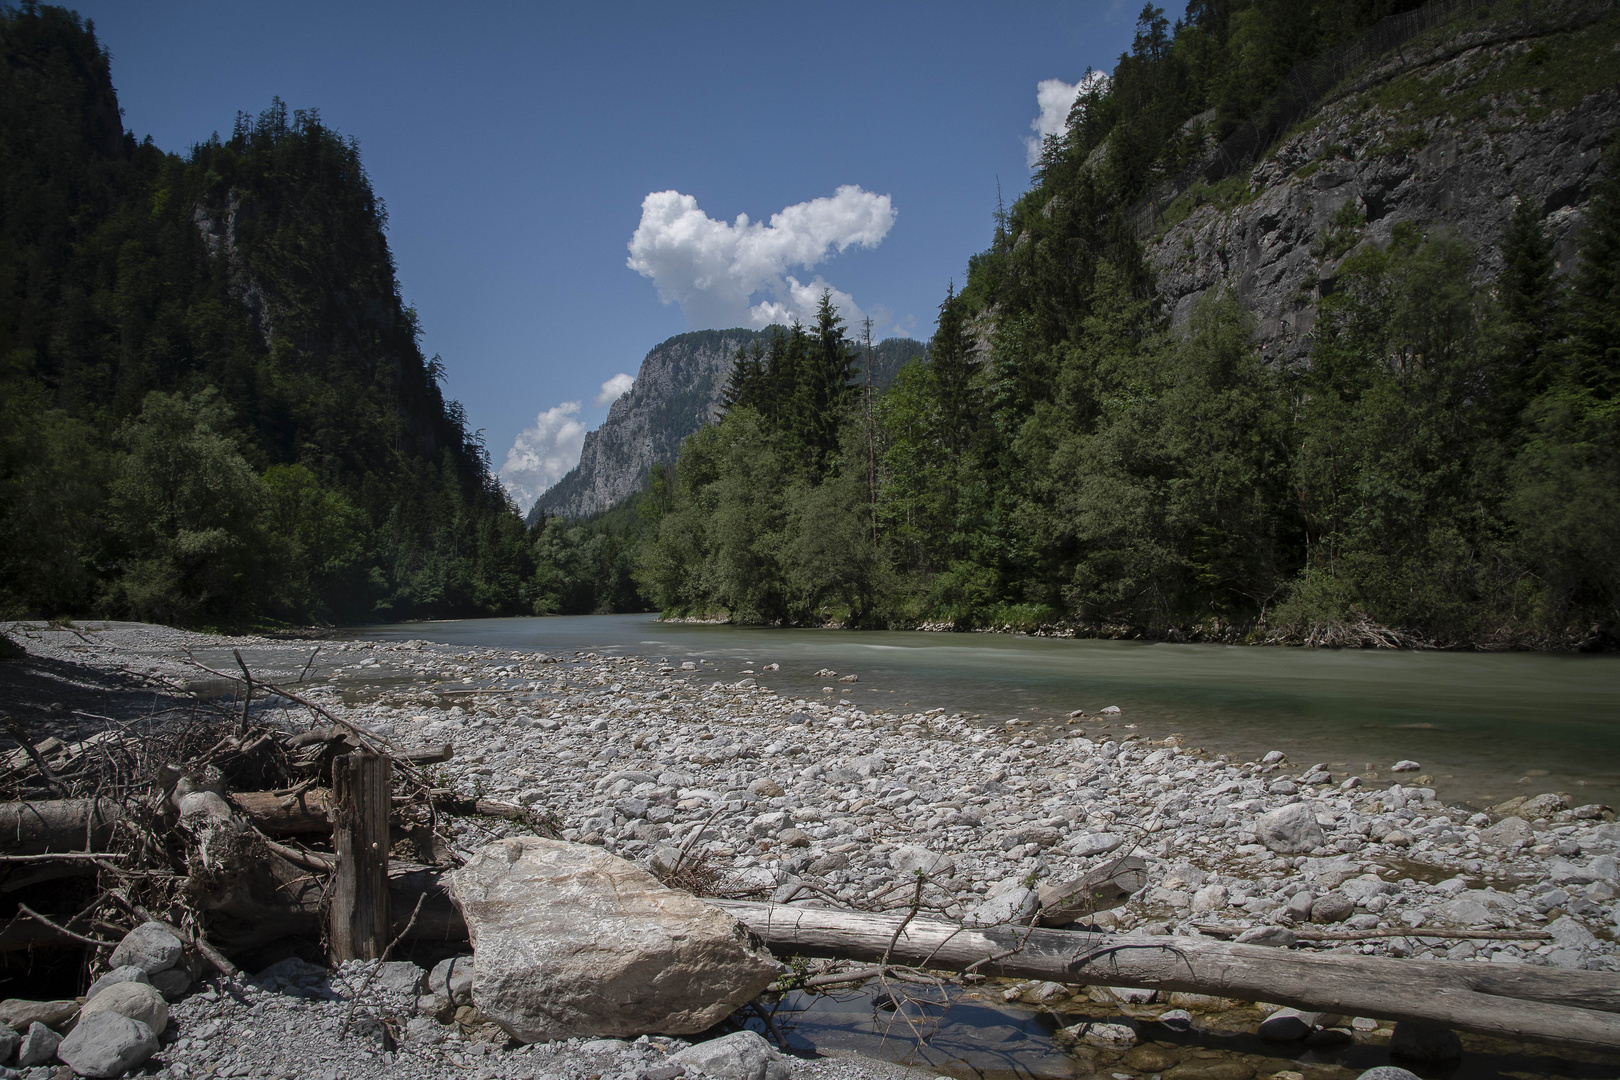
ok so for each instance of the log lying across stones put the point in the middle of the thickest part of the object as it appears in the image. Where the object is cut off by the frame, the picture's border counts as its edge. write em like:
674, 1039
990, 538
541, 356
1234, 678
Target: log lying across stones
1571, 1008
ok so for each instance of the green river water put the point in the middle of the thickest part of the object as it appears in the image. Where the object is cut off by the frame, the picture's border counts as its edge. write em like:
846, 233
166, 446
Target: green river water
1485, 726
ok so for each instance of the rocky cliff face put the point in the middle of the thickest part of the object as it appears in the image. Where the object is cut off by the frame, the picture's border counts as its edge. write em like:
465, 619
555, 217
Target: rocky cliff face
1447, 137
677, 391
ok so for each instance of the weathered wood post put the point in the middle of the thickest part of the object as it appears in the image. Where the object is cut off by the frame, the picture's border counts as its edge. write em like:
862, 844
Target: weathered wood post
360, 805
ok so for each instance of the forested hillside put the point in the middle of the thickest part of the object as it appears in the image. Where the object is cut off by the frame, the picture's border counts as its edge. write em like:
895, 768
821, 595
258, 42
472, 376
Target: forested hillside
1440, 464
213, 406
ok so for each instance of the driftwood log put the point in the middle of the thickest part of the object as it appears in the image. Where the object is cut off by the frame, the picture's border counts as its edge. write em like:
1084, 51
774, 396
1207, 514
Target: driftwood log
33, 828
1571, 1008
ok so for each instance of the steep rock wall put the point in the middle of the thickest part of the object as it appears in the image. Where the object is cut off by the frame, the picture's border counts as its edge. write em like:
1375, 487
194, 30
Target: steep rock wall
677, 390
1462, 166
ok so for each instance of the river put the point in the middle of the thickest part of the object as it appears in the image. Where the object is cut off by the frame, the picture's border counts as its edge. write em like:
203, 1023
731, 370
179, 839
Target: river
1485, 726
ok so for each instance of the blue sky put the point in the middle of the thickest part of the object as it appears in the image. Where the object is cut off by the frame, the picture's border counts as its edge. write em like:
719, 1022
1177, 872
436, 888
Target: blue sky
515, 145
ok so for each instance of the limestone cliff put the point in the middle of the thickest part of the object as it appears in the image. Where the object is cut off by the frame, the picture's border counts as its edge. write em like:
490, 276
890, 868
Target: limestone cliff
677, 391
1448, 135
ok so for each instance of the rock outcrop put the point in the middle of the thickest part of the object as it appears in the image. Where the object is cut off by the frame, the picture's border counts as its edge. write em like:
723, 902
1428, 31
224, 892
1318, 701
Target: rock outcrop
1451, 137
569, 940
677, 390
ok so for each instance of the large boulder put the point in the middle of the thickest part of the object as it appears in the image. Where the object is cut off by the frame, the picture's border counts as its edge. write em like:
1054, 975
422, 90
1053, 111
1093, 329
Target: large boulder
569, 940
138, 1001
107, 1044
151, 946
1289, 830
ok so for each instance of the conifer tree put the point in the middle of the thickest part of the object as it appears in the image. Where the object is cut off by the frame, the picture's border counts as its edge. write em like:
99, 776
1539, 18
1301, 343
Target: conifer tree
951, 362
825, 390
745, 385
1594, 324
1526, 297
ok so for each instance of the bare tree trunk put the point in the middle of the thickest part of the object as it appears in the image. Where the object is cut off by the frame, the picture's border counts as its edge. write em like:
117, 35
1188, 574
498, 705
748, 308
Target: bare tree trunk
34, 828
1573, 1008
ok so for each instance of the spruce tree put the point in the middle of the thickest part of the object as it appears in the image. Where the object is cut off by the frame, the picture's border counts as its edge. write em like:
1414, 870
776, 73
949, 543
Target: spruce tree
828, 388
1594, 321
1526, 295
951, 363
744, 386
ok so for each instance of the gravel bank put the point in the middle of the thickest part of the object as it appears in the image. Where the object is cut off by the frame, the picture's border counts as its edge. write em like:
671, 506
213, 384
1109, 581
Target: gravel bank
822, 802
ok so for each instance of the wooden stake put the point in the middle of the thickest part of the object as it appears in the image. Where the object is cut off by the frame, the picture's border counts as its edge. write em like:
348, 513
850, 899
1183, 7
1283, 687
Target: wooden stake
360, 805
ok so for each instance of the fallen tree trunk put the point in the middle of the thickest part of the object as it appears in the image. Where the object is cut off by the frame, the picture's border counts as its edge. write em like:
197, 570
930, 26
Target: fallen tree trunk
287, 815
56, 825
37, 827
1571, 1008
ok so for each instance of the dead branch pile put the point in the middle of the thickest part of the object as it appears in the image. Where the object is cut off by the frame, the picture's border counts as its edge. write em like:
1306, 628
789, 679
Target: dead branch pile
217, 818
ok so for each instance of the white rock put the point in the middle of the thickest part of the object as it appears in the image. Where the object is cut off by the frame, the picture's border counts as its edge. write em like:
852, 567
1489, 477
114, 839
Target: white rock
1010, 906
452, 978
569, 940
127, 973
742, 1055
1095, 844
1570, 934
138, 1001
911, 858
1289, 829
1509, 834
1405, 766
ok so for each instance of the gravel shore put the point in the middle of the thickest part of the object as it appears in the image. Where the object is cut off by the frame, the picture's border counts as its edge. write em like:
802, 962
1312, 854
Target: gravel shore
821, 802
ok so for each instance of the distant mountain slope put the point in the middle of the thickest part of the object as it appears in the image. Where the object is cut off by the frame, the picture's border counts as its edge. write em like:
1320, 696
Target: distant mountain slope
677, 391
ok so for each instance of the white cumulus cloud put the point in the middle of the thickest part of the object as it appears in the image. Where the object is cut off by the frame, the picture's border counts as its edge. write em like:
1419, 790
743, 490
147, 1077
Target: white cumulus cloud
736, 274
1055, 98
614, 389
542, 455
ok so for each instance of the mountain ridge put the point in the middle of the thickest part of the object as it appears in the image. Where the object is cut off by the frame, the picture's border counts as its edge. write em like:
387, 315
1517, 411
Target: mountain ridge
678, 389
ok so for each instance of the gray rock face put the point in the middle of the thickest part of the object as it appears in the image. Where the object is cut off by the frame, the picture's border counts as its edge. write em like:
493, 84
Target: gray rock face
150, 947
1461, 174
172, 984
1013, 905
107, 1044
742, 1055
677, 391
1289, 830
8, 1043
911, 858
569, 940
38, 1045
